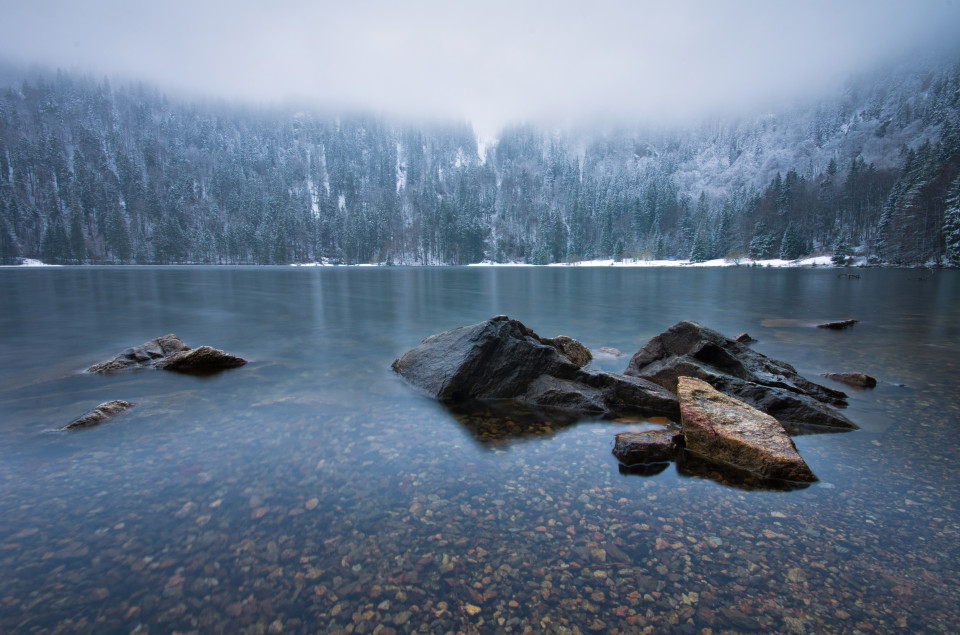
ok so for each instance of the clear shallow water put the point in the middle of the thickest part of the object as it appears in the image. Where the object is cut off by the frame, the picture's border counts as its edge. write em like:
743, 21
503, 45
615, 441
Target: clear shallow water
313, 491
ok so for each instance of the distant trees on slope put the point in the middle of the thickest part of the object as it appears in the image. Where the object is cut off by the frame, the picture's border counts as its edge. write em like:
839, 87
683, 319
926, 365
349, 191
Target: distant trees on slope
94, 174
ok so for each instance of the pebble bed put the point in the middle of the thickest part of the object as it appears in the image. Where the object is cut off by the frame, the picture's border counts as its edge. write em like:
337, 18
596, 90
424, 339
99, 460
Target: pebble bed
293, 497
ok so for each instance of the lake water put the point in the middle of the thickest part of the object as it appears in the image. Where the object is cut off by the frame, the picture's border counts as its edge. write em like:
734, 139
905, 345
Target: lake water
314, 491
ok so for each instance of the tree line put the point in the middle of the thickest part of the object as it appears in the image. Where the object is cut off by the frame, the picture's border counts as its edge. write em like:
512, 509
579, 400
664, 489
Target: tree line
90, 173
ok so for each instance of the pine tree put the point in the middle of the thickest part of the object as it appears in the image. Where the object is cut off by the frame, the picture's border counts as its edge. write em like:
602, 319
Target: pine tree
841, 250
791, 246
56, 246
78, 245
700, 251
761, 246
951, 224
8, 246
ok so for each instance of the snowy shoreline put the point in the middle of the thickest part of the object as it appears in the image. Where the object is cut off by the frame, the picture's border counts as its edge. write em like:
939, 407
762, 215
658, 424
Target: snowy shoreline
811, 262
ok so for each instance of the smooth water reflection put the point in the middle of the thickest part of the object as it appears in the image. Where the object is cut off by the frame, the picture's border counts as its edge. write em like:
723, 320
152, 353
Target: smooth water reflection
313, 491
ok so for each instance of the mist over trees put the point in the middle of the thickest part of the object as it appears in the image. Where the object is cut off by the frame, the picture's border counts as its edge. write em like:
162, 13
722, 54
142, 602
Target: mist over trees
92, 173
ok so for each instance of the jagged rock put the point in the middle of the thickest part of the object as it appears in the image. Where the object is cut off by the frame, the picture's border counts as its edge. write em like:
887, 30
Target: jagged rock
651, 446
574, 350
203, 359
774, 387
859, 380
725, 430
841, 324
744, 338
169, 353
142, 356
501, 359
99, 414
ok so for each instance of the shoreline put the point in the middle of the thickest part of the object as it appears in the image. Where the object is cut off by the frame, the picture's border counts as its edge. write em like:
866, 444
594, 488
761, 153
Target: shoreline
813, 262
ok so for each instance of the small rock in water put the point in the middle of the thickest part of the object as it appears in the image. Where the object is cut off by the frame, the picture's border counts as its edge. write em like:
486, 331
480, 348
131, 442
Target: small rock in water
203, 359
652, 446
99, 414
858, 380
744, 338
607, 350
840, 324
169, 353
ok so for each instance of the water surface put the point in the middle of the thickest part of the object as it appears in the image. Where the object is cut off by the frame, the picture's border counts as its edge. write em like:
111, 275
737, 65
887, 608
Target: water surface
313, 491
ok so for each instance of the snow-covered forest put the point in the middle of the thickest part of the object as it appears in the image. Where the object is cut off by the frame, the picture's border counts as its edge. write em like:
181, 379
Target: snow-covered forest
96, 173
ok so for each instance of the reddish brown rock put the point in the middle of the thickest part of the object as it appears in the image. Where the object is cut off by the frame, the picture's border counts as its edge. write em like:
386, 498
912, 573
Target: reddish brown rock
574, 350
727, 431
859, 380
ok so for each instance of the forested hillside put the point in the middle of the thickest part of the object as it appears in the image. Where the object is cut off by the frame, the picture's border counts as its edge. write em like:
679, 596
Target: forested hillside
94, 173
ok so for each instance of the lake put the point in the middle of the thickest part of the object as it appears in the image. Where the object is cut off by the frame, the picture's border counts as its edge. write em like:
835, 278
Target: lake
314, 491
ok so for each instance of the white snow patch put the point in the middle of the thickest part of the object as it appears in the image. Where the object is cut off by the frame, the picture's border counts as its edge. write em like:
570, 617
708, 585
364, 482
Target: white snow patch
31, 262
314, 199
817, 261
484, 143
341, 202
401, 169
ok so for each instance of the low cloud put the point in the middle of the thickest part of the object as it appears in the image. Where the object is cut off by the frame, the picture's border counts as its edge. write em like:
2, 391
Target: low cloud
491, 62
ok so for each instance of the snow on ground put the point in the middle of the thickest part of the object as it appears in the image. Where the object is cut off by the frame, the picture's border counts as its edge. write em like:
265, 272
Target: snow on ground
30, 262
816, 261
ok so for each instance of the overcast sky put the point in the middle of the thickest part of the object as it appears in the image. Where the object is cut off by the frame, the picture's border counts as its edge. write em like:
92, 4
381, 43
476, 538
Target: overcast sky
491, 62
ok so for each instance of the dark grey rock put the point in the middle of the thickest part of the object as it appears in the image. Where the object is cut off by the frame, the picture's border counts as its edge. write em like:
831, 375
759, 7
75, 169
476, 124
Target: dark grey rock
142, 356
501, 359
203, 359
838, 325
99, 414
774, 387
169, 353
651, 446
858, 380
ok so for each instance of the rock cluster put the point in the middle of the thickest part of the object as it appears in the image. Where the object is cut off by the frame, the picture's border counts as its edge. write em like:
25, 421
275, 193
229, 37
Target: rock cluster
170, 353
688, 349
736, 406
501, 359
166, 353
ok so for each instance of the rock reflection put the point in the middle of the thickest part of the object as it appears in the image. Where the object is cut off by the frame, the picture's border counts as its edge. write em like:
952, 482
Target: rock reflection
690, 465
492, 424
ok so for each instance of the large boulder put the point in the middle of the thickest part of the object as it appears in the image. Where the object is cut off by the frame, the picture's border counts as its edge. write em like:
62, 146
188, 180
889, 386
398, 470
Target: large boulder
774, 387
169, 353
728, 431
501, 359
